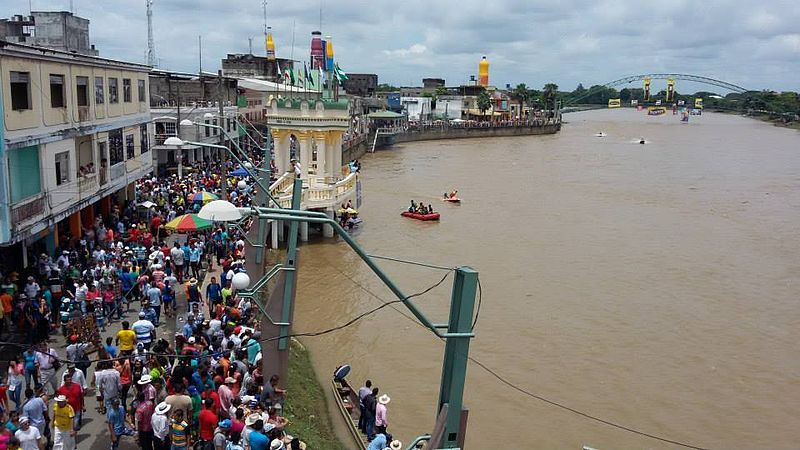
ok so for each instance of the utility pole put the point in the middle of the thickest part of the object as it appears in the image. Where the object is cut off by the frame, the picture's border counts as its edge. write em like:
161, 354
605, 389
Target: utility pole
178, 130
151, 46
222, 137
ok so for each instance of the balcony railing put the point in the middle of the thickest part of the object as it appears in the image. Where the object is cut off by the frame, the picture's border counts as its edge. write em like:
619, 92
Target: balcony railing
87, 184
118, 171
27, 210
161, 137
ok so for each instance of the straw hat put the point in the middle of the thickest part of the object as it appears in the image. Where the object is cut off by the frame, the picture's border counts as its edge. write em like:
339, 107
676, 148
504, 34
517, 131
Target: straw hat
145, 379
193, 281
252, 419
396, 445
276, 444
61, 398
384, 399
163, 408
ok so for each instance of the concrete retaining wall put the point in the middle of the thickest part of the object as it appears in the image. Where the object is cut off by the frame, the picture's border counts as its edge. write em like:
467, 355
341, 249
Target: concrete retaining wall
360, 149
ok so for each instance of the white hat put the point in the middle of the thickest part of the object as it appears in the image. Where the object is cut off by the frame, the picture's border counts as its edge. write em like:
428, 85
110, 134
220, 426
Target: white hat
192, 340
253, 418
24, 419
142, 314
396, 445
230, 380
384, 399
145, 379
163, 407
61, 398
276, 444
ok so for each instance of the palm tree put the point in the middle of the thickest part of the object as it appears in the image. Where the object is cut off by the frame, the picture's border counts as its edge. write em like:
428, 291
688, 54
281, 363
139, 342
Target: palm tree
484, 102
549, 96
521, 93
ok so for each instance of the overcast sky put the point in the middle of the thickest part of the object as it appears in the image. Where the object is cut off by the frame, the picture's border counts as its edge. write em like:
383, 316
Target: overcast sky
755, 44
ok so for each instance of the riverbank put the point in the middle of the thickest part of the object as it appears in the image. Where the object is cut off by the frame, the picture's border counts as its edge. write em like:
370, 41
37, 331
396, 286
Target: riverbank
306, 404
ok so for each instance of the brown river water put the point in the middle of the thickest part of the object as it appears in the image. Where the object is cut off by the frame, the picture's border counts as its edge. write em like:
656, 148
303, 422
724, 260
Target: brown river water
654, 285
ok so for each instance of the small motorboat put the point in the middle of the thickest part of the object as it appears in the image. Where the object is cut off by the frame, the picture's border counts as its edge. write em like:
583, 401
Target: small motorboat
452, 199
600, 134
418, 216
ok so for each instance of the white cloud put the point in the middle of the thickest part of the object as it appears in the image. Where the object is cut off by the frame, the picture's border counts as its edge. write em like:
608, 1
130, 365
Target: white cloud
530, 41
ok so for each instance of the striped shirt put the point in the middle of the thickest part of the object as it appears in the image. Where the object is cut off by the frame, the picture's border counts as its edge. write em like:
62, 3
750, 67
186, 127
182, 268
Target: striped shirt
142, 328
179, 433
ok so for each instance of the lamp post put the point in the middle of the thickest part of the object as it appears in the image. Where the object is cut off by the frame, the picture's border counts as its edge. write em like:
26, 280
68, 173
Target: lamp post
459, 329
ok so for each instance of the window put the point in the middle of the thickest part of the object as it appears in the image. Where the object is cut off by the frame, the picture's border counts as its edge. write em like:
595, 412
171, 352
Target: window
170, 128
130, 150
23, 169
208, 130
143, 138
142, 92
62, 168
126, 90
113, 90
20, 91
99, 94
57, 91
115, 143
216, 130
82, 90
228, 125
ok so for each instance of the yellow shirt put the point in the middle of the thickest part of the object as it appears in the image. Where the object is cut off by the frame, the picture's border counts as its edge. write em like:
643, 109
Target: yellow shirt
63, 416
127, 338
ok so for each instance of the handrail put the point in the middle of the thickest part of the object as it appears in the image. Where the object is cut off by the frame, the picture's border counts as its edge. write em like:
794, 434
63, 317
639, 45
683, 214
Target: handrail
418, 440
251, 293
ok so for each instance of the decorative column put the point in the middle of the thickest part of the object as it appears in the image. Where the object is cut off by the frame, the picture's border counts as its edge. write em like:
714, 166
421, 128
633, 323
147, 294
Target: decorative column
274, 234
322, 155
280, 137
305, 152
304, 231
327, 229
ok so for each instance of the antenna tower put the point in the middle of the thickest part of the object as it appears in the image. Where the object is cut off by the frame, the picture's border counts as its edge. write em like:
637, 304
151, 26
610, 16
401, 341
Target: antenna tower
151, 46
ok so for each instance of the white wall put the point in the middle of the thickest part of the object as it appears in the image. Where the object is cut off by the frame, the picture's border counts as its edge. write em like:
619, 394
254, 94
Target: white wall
416, 106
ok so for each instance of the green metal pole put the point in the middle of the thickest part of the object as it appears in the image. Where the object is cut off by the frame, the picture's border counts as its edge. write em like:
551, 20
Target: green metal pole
456, 355
291, 257
262, 201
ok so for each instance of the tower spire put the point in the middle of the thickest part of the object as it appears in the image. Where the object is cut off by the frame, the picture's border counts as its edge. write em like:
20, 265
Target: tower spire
151, 46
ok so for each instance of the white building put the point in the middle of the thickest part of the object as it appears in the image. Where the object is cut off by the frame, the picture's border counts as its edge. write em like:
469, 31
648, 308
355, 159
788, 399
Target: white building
417, 108
449, 106
74, 136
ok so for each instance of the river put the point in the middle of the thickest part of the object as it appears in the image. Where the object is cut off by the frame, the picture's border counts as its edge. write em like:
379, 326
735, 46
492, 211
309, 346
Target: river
653, 285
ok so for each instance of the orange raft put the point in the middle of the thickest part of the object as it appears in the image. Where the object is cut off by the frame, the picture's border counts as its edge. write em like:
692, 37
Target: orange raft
425, 217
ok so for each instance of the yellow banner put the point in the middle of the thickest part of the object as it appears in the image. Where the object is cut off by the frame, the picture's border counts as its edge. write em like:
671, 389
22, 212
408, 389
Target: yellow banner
670, 89
698, 103
614, 103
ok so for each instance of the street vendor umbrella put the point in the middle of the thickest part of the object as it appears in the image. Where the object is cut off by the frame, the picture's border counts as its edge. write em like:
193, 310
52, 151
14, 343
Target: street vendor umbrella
240, 172
203, 197
188, 222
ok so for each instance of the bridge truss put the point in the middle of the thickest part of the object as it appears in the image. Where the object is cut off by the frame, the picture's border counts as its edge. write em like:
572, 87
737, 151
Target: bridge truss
663, 76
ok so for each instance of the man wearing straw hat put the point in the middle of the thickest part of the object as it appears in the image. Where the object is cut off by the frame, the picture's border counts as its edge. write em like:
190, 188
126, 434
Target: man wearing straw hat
381, 414
63, 429
160, 423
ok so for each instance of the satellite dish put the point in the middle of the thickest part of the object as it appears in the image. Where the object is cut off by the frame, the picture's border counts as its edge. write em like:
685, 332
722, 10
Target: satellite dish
341, 372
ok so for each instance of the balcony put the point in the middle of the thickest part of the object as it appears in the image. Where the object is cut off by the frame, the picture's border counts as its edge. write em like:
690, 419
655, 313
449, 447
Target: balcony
161, 137
87, 185
27, 210
118, 171
83, 114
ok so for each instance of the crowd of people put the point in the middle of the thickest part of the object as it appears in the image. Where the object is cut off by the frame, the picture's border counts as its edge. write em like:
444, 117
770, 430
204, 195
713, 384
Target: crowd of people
201, 387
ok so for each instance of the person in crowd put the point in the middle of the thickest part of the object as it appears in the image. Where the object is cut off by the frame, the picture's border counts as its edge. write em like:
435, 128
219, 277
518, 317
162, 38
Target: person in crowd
63, 425
381, 414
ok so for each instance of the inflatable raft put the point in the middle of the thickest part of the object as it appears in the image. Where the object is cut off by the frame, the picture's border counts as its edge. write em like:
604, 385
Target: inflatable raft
412, 215
452, 199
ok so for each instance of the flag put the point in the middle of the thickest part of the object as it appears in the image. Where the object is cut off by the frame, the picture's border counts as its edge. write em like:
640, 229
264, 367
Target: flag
308, 74
340, 75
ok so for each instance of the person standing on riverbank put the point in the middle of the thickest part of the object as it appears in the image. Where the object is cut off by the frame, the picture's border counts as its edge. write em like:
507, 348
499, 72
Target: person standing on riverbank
382, 414
363, 392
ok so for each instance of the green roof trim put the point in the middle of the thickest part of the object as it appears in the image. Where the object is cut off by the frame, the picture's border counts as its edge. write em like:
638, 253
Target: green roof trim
385, 115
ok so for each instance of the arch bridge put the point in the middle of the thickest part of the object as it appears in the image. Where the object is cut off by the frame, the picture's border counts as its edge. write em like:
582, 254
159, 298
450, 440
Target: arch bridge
665, 76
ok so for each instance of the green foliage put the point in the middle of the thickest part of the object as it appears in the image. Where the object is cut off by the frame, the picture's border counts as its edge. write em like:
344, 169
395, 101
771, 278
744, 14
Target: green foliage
549, 95
383, 87
306, 406
484, 102
441, 90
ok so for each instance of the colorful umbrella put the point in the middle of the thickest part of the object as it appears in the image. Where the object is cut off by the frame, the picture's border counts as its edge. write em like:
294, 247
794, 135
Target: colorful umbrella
240, 172
203, 196
188, 222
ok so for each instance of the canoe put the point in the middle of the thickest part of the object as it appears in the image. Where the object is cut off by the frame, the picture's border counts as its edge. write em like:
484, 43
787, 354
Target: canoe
425, 217
452, 199
347, 403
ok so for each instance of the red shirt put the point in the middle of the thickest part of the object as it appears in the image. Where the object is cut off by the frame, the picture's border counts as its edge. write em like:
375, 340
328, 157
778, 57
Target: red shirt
215, 397
74, 395
144, 414
208, 422
156, 221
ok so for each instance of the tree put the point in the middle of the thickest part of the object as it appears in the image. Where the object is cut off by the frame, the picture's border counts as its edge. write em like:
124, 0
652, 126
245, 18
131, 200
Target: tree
521, 94
549, 96
441, 90
484, 102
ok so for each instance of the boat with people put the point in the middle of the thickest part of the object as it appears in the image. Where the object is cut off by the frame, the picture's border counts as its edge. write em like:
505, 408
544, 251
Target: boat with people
347, 403
452, 197
348, 216
420, 212
418, 216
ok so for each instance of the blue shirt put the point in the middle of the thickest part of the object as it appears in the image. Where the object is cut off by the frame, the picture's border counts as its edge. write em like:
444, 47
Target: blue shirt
194, 255
214, 291
187, 330
117, 419
260, 442
111, 350
186, 252
379, 443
